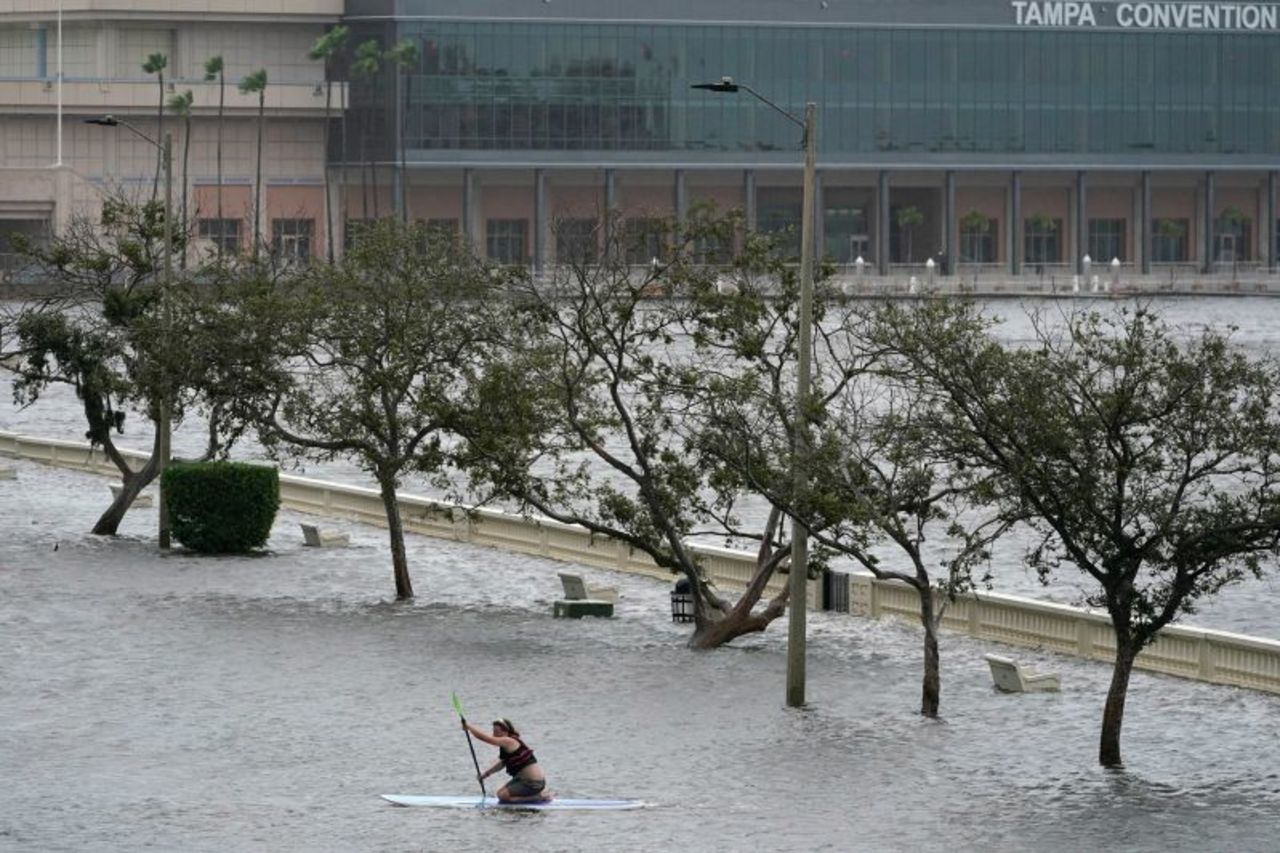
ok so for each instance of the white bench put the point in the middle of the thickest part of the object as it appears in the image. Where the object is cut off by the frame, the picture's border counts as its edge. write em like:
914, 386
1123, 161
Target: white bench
1011, 677
317, 538
7, 473
141, 499
576, 589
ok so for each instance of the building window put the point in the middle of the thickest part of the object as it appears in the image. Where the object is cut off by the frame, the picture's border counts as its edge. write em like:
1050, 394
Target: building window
1106, 240
1169, 240
224, 234
844, 232
978, 239
1231, 237
644, 240
778, 216
1041, 241
291, 239
506, 240
576, 241
13, 231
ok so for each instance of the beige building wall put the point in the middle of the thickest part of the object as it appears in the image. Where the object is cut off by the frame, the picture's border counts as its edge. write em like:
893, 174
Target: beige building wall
104, 44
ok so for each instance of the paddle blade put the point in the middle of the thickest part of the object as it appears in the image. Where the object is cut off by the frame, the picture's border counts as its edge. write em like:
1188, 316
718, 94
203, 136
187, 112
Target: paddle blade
457, 706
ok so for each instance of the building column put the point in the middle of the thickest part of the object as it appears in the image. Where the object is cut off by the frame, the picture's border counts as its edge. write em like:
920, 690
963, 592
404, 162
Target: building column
1080, 235
819, 220
749, 209
1144, 223
680, 196
950, 225
1209, 204
882, 222
1014, 231
540, 223
1273, 239
469, 189
612, 241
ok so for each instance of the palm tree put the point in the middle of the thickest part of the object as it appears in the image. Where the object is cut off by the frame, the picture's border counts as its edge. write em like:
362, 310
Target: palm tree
257, 83
181, 106
908, 218
156, 63
404, 56
326, 49
368, 63
214, 70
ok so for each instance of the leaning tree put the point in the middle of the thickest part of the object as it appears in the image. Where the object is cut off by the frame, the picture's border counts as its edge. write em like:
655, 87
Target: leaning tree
1146, 458
591, 421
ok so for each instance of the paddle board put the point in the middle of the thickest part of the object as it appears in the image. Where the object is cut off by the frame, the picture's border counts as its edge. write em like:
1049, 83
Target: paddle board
474, 802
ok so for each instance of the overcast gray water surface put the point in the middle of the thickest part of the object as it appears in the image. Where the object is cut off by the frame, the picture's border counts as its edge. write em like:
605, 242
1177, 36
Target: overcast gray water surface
1249, 607
174, 702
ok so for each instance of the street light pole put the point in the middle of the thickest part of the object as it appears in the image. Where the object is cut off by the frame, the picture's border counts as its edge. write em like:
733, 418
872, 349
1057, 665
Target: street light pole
164, 426
798, 583
796, 626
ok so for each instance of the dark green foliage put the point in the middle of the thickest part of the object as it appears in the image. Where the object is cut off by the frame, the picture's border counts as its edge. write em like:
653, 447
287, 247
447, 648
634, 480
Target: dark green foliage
222, 507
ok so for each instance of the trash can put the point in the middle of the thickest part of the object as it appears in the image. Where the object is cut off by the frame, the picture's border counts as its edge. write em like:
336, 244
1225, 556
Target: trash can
682, 601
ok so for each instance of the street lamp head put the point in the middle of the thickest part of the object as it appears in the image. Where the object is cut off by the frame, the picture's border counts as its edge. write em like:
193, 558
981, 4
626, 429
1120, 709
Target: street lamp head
104, 121
726, 84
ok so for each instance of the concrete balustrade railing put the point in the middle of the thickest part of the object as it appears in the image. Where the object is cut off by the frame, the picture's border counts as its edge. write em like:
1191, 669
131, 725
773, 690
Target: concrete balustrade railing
1218, 657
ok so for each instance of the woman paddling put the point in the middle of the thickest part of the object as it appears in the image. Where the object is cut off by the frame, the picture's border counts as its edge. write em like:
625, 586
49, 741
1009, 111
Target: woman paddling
528, 784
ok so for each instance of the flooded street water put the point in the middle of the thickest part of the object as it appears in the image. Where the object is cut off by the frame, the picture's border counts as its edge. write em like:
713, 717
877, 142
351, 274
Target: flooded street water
173, 702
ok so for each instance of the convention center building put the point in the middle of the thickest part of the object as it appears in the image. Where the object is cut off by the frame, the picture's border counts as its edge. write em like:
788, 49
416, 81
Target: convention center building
1023, 138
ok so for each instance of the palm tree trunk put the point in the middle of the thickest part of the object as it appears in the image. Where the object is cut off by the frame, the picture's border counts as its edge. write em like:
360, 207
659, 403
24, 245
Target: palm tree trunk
257, 183
328, 173
222, 99
404, 166
155, 182
395, 530
186, 160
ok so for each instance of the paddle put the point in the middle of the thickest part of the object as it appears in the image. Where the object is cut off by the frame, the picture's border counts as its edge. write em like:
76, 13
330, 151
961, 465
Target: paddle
457, 706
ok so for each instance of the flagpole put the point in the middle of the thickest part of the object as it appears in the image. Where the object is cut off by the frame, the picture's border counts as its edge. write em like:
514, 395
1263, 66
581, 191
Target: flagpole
59, 163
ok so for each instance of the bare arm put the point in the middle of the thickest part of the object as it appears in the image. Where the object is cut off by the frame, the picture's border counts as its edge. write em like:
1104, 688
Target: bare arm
507, 743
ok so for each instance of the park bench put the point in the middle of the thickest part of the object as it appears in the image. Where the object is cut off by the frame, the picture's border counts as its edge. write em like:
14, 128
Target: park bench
1012, 677
317, 538
577, 589
582, 600
7, 473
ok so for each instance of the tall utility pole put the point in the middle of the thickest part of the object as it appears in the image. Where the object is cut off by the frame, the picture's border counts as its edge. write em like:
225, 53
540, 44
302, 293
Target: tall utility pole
165, 426
798, 584
796, 634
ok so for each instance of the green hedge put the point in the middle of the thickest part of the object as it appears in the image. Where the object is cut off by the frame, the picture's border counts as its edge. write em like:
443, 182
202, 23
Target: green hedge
221, 507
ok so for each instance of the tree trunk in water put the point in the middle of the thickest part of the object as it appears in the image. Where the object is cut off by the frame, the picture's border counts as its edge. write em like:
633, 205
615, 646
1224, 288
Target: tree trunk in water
109, 522
931, 692
1113, 713
395, 530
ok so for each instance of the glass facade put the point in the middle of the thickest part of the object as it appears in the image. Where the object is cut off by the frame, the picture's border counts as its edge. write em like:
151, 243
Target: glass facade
625, 87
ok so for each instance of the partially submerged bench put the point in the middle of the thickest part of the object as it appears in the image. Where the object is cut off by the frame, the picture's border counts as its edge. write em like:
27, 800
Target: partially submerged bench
577, 589
317, 538
8, 473
1012, 677
583, 600
142, 499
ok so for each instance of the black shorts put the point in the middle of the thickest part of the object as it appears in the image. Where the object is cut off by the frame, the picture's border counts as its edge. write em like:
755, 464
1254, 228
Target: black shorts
525, 787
